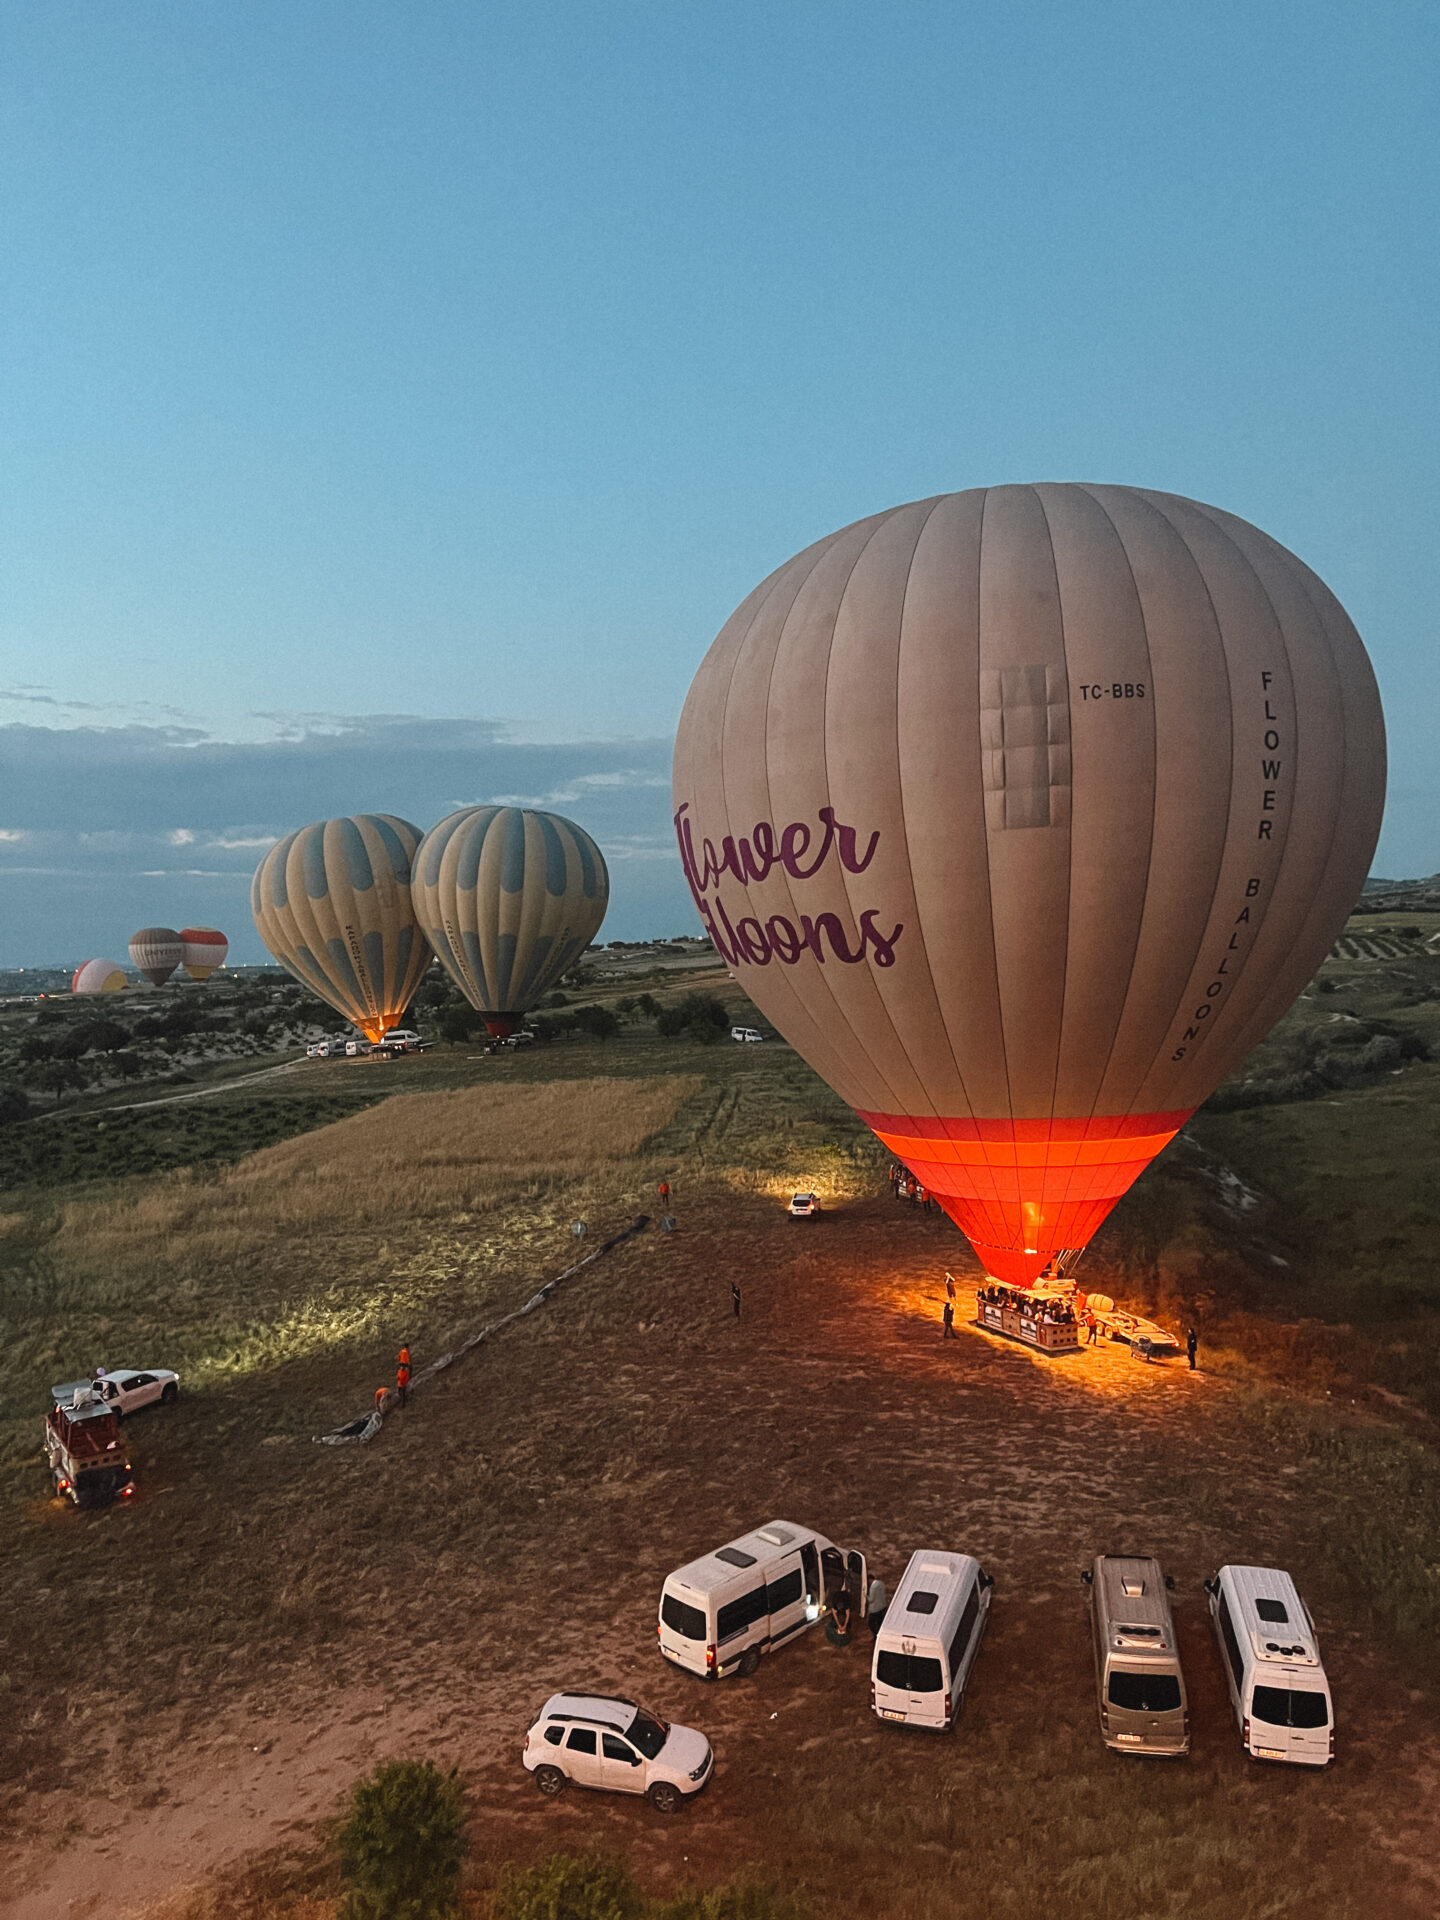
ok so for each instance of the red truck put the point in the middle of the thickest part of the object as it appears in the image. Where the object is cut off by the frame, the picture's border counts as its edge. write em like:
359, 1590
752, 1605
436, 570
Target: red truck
86, 1452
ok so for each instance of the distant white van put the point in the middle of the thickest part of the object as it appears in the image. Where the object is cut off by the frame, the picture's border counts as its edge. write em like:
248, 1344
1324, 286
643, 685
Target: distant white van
929, 1638
1143, 1708
1271, 1655
719, 1613
746, 1033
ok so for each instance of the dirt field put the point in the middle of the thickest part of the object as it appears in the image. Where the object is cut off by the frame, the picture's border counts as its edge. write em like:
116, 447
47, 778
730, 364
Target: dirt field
190, 1684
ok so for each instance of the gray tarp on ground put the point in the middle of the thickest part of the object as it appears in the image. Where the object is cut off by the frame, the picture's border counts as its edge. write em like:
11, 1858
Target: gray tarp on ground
365, 1428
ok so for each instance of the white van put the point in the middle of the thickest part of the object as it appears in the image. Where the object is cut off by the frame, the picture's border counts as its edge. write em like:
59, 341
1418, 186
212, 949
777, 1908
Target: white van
1141, 1688
719, 1613
1268, 1647
746, 1034
928, 1641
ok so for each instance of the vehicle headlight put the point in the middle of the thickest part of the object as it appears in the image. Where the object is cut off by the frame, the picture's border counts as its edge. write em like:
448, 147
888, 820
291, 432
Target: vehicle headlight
699, 1772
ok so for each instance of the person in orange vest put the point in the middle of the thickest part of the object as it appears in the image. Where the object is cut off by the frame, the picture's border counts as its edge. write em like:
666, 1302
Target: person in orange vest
402, 1374
664, 1190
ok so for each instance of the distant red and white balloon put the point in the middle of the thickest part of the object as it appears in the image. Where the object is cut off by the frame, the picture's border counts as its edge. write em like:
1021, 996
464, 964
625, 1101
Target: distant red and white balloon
98, 976
1024, 813
205, 951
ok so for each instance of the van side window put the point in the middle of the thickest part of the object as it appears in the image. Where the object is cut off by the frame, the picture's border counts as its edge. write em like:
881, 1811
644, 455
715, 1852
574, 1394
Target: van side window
964, 1631
785, 1591
736, 1615
1232, 1645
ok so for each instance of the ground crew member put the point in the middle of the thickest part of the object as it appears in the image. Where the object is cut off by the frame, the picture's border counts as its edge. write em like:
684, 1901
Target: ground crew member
1092, 1326
735, 1298
664, 1190
947, 1320
402, 1374
1192, 1341
382, 1400
949, 1286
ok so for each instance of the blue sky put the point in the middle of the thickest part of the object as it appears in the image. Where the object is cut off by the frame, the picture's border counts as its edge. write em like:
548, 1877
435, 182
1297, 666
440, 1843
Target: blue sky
394, 401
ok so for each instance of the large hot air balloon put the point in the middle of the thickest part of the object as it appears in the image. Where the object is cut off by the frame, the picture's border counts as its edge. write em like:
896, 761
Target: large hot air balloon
205, 950
1024, 813
156, 952
509, 899
97, 976
332, 903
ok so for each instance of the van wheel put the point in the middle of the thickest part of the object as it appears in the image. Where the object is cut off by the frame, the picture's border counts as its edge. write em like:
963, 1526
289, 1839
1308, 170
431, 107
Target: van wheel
749, 1661
549, 1780
664, 1796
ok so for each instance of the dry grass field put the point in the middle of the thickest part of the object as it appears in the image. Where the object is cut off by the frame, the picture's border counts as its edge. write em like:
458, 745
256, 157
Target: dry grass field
190, 1683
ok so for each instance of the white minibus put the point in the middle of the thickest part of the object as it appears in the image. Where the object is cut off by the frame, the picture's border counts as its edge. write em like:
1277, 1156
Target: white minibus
1271, 1656
719, 1613
1137, 1663
928, 1641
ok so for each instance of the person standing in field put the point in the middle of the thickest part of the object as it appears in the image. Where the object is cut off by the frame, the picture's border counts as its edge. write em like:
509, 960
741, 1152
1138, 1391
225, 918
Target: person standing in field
949, 1286
735, 1298
1092, 1326
947, 1321
664, 1192
402, 1374
1192, 1341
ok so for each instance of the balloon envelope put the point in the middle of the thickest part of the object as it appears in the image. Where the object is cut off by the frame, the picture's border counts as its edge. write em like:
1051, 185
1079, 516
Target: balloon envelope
332, 903
509, 898
98, 976
205, 950
1024, 813
156, 952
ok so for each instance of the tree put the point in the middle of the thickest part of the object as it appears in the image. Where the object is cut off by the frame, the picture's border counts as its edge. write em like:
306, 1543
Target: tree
647, 1004
458, 1023
401, 1842
566, 1888
599, 1022
14, 1105
701, 1016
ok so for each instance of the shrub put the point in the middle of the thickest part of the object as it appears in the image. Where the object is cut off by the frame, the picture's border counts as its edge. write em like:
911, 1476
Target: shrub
567, 1888
599, 1022
701, 1016
14, 1105
401, 1842
743, 1899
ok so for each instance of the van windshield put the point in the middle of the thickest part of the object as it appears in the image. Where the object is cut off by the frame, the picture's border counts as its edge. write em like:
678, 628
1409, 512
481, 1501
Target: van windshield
1143, 1692
909, 1673
1290, 1707
685, 1620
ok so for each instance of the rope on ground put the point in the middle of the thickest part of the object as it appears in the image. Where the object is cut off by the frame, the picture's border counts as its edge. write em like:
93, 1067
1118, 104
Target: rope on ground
364, 1429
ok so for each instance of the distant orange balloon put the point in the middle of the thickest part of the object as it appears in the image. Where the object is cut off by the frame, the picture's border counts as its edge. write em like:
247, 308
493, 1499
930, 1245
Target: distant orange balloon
1024, 813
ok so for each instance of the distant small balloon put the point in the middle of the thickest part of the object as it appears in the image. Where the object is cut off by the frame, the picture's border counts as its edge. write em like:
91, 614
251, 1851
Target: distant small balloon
156, 952
98, 976
205, 951
332, 903
509, 898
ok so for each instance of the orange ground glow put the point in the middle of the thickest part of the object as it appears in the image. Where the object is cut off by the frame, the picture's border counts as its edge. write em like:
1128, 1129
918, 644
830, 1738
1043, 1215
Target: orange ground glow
1020, 1190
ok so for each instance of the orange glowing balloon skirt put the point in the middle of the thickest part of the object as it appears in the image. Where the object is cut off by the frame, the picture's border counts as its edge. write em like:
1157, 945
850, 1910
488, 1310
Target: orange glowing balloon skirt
1020, 1190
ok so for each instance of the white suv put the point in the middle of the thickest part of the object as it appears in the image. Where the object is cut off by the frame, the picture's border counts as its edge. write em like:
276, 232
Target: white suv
599, 1741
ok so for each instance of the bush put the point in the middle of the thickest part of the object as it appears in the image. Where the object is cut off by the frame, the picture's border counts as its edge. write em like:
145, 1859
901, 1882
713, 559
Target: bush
599, 1022
14, 1105
742, 1899
401, 1842
701, 1016
458, 1024
566, 1888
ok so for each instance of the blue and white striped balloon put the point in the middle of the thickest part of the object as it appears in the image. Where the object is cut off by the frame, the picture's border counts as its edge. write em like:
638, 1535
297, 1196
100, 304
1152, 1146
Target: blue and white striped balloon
332, 902
509, 898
